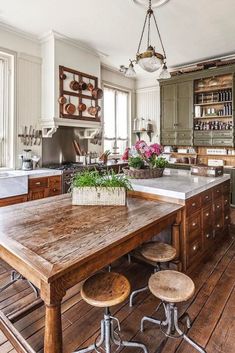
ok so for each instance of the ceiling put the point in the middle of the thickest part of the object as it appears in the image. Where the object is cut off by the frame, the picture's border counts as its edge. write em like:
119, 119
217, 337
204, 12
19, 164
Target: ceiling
191, 30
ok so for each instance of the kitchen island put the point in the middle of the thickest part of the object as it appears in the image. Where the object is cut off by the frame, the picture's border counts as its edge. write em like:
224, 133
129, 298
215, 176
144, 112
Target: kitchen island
206, 215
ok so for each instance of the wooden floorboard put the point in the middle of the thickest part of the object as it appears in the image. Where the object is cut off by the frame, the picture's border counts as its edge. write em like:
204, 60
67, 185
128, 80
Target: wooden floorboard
212, 310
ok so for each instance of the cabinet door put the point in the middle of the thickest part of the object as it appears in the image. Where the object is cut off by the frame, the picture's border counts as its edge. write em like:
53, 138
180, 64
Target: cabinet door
168, 113
184, 105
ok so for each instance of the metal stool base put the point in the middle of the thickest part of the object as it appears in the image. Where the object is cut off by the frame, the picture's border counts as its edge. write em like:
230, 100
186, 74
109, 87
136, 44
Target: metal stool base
143, 289
170, 326
15, 276
109, 336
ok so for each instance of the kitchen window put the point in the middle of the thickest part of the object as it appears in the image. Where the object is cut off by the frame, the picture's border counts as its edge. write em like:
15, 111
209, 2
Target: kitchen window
6, 110
116, 119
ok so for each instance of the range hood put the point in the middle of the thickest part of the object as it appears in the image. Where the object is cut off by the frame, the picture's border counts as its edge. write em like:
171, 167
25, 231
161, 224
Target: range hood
59, 50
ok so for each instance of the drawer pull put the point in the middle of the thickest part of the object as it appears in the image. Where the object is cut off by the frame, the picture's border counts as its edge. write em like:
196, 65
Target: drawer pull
194, 247
225, 202
218, 225
226, 217
218, 206
218, 190
208, 235
54, 189
38, 183
194, 224
193, 204
207, 214
207, 197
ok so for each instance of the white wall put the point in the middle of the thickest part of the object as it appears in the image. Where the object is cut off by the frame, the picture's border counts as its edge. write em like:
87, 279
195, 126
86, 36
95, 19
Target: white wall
148, 104
28, 83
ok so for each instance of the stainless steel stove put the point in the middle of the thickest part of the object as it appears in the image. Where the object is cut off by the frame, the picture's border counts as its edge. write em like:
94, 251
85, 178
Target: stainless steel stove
70, 169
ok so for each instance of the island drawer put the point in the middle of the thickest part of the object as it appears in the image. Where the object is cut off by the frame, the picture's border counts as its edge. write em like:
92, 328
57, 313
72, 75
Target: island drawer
217, 191
36, 183
218, 207
55, 185
226, 187
193, 204
194, 223
207, 218
206, 197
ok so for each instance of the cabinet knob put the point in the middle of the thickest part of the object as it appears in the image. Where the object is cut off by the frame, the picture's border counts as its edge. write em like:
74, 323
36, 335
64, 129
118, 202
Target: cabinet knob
207, 197
218, 206
194, 247
218, 225
208, 236
193, 204
38, 183
54, 189
226, 217
207, 214
194, 224
217, 191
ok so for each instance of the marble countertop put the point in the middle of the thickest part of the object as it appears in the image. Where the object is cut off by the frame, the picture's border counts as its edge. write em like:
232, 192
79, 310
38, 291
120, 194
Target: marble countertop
177, 183
36, 173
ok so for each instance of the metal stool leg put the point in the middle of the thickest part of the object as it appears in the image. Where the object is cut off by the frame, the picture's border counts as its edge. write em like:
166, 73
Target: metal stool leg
108, 336
143, 289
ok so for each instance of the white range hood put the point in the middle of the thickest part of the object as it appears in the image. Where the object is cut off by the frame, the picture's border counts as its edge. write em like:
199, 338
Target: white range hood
59, 50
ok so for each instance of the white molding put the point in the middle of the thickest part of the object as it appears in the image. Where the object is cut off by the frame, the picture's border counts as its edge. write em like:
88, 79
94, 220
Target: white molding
29, 58
74, 42
23, 34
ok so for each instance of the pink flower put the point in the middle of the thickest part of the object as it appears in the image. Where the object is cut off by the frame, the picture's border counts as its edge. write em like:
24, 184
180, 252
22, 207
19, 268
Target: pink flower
140, 145
156, 148
125, 155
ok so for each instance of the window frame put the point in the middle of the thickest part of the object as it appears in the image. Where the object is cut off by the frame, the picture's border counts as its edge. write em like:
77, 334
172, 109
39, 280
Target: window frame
129, 110
10, 113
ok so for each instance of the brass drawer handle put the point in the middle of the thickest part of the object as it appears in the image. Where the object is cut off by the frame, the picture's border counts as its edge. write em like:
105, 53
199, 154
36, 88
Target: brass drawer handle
227, 217
207, 214
207, 235
38, 183
193, 204
194, 247
218, 225
217, 190
225, 202
207, 197
218, 206
54, 189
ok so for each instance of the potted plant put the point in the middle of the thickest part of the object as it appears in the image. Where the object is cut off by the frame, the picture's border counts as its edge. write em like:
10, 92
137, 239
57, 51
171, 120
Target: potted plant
147, 161
92, 188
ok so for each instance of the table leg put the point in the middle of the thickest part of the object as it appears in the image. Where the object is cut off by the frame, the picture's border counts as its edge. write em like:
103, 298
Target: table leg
53, 329
176, 241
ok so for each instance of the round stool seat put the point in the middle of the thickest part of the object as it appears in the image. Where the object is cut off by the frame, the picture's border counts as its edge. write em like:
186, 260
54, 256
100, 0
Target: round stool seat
158, 252
171, 286
105, 289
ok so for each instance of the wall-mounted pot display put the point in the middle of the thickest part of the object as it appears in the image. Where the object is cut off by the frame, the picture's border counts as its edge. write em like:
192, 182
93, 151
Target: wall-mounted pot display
74, 85
70, 108
97, 93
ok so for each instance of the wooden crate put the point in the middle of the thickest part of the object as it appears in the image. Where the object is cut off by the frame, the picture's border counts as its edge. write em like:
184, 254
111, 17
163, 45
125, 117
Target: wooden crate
100, 196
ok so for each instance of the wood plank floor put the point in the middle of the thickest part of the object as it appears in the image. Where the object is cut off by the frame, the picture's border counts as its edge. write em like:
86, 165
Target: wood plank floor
212, 310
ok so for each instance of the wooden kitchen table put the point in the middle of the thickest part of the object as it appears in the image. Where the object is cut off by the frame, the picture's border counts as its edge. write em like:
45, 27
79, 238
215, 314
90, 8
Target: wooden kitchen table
56, 245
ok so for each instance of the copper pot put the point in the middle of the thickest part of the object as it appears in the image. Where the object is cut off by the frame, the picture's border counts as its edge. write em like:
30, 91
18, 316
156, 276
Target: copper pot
82, 107
63, 77
74, 85
70, 108
90, 87
97, 93
92, 110
62, 100
82, 85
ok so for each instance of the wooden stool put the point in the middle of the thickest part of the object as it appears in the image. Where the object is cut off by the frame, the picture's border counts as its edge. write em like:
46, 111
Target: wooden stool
105, 290
172, 287
156, 253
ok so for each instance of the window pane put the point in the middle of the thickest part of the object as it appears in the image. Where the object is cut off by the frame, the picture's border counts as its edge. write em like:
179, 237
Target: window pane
109, 113
122, 114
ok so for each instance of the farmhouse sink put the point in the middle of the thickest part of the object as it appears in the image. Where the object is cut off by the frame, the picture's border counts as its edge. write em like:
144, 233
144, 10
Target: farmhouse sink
13, 183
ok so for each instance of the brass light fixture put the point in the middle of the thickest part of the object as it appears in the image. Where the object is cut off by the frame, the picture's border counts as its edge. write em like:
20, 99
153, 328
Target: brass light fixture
150, 60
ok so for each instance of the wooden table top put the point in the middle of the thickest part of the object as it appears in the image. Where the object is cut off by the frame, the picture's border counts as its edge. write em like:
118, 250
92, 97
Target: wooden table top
50, 236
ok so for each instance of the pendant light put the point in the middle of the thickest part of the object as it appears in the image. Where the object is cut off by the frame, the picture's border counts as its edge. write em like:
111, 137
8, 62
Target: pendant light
150, 60
130, 71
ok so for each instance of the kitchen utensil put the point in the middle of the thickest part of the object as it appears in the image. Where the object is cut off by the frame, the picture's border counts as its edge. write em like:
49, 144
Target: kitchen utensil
39, 137
82, 107
97, 93
82, 85
25, 134
29, 135
92, 110
77, 148
74, 85
90, 86
62, 100
32, 138
70, 108
27, 163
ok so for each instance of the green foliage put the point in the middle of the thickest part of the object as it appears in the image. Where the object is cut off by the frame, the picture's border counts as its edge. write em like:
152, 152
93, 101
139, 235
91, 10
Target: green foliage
108, 179
136, 162
159, 162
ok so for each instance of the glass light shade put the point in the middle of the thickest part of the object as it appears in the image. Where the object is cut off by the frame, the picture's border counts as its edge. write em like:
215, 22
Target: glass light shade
130, 72
164, 74
149, 61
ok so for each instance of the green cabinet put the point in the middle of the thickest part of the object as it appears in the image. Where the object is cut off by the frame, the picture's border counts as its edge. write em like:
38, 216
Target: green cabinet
176, 113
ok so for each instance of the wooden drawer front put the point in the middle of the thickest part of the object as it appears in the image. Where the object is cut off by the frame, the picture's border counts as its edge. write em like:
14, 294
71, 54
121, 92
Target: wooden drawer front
194, 250
36, 183
194, 225
219, 134
206, 197
169, 142
217, 191
193, 204
218, 206
222, 142
227, 187
202, 134
13, 200
183, 142
187, 135
168, 134
207, 218
55, 185
218, 224
208, 238
205, 142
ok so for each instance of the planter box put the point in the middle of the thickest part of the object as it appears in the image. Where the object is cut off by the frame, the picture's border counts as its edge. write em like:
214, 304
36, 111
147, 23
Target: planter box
99, 196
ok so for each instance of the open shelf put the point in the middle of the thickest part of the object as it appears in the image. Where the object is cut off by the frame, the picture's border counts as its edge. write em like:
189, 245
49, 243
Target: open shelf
214, 117
214, 89
213, 103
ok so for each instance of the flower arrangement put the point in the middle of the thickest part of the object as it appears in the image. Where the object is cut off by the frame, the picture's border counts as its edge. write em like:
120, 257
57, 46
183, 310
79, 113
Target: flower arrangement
149, 154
